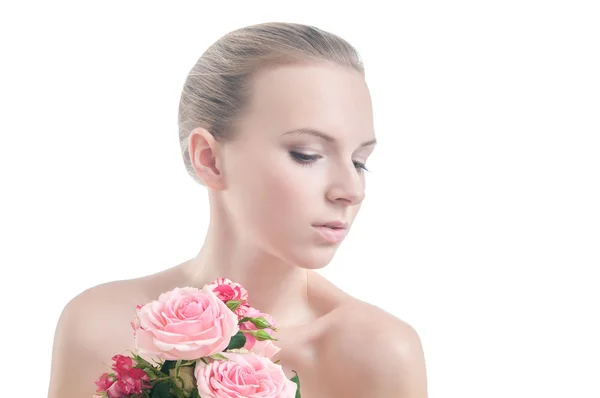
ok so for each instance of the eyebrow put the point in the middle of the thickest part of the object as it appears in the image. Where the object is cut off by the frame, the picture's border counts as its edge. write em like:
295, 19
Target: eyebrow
322, 135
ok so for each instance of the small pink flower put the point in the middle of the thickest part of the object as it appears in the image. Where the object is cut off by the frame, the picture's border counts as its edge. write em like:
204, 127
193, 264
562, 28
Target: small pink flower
125, 381
104, 382
184, 323
243, 375
251, 340
131, 379
123, 388
227, 290
122, 364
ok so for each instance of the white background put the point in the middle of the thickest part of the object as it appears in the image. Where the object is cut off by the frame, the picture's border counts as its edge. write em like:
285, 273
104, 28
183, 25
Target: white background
481, 226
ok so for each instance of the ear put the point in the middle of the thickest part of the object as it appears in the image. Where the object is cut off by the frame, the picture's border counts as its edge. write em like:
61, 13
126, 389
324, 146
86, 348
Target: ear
204, 151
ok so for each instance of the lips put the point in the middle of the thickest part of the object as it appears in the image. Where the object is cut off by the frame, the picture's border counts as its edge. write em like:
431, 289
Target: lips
333, 225
331, 235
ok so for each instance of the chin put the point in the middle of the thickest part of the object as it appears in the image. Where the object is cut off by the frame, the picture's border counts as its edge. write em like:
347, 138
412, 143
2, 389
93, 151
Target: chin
314, 259
313, 266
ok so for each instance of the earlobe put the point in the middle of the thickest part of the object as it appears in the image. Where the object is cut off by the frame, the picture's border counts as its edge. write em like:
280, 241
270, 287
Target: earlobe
203, 151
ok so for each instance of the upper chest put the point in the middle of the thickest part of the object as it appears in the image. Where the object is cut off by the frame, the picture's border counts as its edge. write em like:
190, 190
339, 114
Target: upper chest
326, 358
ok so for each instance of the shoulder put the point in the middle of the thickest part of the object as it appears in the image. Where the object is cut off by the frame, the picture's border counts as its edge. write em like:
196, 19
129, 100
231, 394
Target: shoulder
90, 309
91, 326
372, 353
111, 304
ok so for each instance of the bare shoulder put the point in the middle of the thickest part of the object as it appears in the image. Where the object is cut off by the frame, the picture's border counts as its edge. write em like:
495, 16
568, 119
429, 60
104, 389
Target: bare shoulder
93, 326
370, 352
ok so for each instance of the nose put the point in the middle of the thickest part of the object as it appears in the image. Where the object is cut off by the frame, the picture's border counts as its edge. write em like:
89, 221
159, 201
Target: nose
347, 187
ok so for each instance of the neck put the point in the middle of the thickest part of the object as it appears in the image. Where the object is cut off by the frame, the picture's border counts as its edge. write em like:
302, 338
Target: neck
274, 287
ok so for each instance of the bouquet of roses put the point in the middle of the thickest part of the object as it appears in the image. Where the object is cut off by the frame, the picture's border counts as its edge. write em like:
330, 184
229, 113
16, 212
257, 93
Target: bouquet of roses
200, 343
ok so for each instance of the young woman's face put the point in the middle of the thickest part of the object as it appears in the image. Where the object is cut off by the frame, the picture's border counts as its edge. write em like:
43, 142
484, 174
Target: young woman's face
299, 159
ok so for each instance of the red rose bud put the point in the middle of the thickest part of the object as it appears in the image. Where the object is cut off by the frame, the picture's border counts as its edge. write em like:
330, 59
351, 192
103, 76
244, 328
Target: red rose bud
233, 304
262, 323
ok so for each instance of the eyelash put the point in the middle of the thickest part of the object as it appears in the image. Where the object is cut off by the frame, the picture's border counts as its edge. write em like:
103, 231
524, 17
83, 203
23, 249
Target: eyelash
307, 160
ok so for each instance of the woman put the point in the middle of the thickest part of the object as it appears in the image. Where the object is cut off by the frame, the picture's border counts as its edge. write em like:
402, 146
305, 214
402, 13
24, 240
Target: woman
275, 120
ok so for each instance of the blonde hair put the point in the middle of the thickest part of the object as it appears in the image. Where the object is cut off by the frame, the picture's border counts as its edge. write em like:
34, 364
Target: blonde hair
216, 89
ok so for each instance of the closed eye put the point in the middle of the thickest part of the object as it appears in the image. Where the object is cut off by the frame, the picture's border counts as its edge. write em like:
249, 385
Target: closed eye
307, 160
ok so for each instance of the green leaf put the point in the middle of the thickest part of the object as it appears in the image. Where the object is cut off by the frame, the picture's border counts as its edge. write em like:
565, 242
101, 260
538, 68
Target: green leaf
168, 365
162, 390
296, 380
188, 363
219, 356
195, 393
237, 341
233, 304
141, 363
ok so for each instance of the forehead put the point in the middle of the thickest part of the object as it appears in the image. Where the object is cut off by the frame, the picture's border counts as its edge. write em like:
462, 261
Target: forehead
326, 97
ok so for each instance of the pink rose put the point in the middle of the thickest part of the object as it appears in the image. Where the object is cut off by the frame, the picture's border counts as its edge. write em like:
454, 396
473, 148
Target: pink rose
227, 290
251, 340
185, 323
265, 348
244, 375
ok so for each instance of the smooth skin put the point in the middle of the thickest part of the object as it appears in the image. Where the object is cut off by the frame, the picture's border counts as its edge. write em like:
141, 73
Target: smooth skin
298, 160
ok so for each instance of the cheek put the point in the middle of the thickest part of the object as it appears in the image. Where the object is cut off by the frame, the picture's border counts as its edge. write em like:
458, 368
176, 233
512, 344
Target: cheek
271, 191
288, 203
301, 189
286, 191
